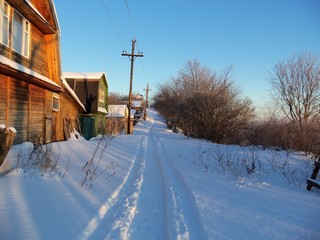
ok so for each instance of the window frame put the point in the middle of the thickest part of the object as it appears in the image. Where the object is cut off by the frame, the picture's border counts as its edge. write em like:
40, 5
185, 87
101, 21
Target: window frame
25, 33
3, 16
55, 102
101, 96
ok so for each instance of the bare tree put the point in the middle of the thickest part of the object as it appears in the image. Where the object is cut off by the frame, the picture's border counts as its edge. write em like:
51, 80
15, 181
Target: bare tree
115, 98
204, 104
295, 86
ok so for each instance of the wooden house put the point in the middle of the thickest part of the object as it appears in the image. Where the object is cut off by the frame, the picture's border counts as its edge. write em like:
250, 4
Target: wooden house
33, 98
92, 90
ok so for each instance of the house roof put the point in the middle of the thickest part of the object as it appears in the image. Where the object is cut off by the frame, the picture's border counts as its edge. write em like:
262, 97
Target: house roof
73, 94
45, 20
118, 111
55, 17
36, 10
90, 76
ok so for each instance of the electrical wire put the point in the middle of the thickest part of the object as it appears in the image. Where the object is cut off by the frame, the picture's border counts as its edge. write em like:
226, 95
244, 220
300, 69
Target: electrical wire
134, 34
112, 23
130, 18
118, 35
144, 72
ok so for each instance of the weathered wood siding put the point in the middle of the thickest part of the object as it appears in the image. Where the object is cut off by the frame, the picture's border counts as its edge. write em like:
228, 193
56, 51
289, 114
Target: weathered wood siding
19, 105
3, 99
38, 55
22, 106
53, 57
37, 113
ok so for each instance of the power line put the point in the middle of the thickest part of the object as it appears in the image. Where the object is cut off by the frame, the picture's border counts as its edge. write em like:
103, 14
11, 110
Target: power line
118, 35
130, 18
144, 72
134, 34
112, 23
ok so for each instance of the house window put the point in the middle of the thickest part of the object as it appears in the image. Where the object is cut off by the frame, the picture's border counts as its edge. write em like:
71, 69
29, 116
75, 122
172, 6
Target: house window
55, 103
20, 34
101, 97
4, 23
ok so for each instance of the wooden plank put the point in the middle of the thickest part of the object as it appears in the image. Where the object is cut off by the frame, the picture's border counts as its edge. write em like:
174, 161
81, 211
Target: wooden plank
3, 99
18, 114
37, 113
38, 55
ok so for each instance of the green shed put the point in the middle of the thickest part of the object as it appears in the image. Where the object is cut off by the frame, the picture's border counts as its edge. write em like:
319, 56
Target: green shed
92, 90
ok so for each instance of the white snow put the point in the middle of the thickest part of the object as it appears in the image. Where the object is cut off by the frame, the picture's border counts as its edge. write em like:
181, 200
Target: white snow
118, 111
102, 110
136, 104
156, 184
89, 76
12, 129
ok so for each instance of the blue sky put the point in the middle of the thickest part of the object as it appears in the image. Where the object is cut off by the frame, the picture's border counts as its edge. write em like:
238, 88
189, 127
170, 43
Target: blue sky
252, 35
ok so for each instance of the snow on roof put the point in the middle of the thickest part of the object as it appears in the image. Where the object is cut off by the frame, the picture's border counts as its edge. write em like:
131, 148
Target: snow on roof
136, 103
21, 68
55, 15
83, 75
102, 110
91, 76
74, 95
118, 111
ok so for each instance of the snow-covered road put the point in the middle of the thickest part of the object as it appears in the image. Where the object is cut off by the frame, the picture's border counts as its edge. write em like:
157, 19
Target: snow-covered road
154, 201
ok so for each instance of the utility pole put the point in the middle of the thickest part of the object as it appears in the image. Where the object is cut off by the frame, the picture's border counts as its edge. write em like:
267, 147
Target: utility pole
147, 102
132, 56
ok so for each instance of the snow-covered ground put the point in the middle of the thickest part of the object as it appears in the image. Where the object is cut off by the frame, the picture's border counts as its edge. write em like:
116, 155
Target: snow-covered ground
156, 184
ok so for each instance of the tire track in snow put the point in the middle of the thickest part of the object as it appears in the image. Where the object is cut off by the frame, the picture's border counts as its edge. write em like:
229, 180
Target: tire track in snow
184, 221
116, 214
149, 222
166, 207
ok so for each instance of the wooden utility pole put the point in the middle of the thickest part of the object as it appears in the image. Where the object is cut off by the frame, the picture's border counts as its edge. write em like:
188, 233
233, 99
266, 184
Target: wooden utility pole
147, 102
132, 56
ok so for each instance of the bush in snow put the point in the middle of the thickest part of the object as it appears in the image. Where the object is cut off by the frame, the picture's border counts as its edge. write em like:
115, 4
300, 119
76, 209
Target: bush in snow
93, 167
41, 157
247, 161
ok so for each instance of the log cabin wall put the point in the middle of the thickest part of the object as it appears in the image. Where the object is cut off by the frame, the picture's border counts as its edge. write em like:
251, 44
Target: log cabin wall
21, 104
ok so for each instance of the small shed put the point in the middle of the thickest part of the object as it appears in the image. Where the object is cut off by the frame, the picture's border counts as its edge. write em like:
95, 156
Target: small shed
92, 90
117, 119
